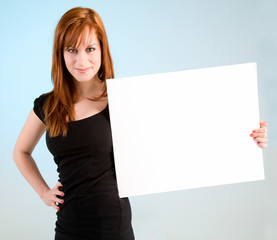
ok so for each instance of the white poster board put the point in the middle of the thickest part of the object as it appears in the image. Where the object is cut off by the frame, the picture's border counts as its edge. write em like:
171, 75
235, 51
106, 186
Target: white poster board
185, 129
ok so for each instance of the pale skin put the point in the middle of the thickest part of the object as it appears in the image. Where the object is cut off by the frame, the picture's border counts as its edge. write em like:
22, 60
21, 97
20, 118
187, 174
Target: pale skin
260, 134
83, 64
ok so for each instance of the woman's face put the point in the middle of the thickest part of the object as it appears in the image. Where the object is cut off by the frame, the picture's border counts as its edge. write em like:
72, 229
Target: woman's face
84, 62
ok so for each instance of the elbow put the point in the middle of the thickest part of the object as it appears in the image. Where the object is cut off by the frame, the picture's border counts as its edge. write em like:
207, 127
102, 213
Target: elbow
17, 155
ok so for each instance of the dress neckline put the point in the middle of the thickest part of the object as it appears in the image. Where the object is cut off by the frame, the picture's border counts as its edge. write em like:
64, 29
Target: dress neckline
89, 117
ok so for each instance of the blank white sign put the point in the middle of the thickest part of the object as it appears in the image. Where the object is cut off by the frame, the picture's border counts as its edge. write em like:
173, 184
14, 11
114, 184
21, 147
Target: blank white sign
185, 129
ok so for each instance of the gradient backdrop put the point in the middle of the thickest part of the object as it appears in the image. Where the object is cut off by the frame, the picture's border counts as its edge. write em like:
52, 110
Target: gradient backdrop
145, 37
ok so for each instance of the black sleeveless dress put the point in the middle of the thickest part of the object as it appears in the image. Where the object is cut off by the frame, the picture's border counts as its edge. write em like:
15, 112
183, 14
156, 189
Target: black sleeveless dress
92, 209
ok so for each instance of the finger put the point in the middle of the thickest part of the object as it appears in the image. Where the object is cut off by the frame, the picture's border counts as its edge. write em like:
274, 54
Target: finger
53, 204
59, 193
59, 184
262, 145
259, 130
58, 200
258, 135
58, 188
262, 122
262, 140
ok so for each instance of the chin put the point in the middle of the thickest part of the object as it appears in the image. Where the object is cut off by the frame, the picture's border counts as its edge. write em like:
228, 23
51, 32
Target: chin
84, 78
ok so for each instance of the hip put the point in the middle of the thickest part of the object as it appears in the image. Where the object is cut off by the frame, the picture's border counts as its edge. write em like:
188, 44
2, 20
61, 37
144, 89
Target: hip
101, 214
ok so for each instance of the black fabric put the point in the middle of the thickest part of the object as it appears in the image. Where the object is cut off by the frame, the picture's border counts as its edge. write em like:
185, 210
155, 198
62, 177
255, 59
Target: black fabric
38, 106
92, 208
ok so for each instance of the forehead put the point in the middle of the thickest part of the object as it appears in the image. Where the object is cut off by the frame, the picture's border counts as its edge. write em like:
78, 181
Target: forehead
87, 37
79, 37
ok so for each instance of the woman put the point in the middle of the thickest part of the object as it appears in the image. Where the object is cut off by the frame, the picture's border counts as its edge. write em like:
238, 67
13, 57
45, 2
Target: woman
75, 117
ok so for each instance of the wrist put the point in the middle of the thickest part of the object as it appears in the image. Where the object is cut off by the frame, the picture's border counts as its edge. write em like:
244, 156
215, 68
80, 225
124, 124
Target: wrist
42, 191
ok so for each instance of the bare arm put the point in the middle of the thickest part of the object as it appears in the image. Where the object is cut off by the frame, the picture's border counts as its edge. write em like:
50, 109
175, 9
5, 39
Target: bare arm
26, 142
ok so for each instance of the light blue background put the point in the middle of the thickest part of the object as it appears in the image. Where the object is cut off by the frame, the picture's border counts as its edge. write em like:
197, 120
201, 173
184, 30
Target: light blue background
145, 37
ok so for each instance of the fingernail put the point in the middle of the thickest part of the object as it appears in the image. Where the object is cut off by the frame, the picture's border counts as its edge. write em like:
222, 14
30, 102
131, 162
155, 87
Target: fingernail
254, 138
253, 131
251, 135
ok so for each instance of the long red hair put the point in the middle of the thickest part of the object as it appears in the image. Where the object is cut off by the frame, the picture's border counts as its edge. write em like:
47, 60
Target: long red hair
58, 107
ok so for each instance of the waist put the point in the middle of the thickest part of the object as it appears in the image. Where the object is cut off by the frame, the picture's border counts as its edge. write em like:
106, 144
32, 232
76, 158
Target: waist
84, 185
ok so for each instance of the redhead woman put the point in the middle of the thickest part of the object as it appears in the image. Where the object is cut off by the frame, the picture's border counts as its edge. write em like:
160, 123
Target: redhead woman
75, 117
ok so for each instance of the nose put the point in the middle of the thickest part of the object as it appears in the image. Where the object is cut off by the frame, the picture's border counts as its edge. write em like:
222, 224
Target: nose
81, 59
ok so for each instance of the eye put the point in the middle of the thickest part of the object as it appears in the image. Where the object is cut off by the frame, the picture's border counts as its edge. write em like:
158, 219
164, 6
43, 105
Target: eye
71, 50
91, 49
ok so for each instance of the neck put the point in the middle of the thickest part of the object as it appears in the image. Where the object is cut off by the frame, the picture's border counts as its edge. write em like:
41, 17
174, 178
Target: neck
89, 89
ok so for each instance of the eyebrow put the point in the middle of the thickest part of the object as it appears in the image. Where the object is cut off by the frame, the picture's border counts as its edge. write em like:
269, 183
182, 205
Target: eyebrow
87, 46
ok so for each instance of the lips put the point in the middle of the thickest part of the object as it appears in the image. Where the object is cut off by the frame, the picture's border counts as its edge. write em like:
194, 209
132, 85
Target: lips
82, 70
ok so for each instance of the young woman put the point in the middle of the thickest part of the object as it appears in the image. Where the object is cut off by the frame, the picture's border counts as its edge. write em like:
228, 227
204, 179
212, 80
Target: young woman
75, 116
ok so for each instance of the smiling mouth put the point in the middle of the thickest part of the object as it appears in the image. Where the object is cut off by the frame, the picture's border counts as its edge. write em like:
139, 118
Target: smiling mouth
82, 70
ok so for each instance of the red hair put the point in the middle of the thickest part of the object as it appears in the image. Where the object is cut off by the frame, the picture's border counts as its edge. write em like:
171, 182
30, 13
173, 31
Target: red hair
58, 107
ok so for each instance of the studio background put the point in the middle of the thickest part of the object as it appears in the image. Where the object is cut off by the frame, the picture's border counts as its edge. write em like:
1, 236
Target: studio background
145, 37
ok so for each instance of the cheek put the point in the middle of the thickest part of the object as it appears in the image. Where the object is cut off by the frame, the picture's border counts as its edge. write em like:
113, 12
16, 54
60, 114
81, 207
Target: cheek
98, 59
67, 61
